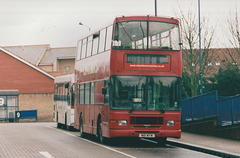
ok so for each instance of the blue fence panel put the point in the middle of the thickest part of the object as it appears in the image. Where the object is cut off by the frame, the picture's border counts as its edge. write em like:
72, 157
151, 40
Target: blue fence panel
225, 112
187, 112
236, 110
199, 107
210, 104
229, 111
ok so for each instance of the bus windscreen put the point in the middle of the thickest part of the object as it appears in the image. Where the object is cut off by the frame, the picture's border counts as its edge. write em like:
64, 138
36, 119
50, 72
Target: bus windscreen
146, 35
145, 93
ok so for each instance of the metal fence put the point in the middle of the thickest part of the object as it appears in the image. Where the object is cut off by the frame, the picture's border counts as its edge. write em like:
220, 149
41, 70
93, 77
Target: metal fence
199, 107
228, 111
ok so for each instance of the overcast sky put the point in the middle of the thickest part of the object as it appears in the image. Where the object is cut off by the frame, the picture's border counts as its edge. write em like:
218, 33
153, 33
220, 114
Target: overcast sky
56, 22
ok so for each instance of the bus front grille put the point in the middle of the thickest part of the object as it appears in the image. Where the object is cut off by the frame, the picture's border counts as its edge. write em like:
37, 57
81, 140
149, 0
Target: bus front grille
146, 120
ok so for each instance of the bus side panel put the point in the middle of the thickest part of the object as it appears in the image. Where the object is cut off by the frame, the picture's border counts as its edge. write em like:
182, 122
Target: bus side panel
105, 121
78, 110
94, 69
92, 118
61, 107
76, 117
86, 119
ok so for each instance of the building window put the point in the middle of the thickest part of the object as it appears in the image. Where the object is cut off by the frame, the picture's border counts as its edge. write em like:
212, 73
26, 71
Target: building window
84, 49
79, 49
209, 64
89, 46
95, 43
92, 92
67, 68
87, 93
234, 63
81, 93
109, 38
102, 40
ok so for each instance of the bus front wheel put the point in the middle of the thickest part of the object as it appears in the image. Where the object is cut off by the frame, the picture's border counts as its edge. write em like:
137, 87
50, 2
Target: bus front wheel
101, 138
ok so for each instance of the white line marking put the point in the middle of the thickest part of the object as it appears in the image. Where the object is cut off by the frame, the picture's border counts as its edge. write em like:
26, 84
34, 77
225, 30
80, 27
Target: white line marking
106, 147
147, 140
46, 154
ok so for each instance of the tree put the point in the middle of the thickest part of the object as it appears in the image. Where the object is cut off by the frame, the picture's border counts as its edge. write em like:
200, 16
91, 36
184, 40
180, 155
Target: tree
228, 81
232, 53
190, 52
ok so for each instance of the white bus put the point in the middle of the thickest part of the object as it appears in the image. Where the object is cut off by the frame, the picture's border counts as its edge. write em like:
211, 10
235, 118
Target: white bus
64, 101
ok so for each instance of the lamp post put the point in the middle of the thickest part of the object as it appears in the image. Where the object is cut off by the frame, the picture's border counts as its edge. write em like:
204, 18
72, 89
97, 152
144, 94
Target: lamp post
80, 23
200, 51
155, 7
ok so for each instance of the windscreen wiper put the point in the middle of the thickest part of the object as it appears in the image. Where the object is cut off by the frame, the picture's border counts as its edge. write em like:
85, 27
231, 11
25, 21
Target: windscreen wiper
128, 35
161, 108
132, 109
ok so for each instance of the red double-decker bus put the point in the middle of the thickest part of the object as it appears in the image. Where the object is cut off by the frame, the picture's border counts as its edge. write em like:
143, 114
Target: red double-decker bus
128, 79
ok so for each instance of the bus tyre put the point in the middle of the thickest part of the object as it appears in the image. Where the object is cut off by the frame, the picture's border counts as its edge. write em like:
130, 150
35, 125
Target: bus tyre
82, 134
162, 141
58, 125
65, 125
101, 138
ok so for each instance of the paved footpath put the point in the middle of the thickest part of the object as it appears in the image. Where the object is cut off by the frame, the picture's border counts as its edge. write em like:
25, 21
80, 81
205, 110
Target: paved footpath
215, 143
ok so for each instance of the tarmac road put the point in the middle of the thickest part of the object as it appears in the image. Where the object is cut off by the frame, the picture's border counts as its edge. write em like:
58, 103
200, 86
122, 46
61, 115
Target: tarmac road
44, 140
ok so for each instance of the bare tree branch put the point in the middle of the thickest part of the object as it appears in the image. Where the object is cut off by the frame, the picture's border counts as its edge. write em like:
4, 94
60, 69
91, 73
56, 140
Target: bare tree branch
190, 49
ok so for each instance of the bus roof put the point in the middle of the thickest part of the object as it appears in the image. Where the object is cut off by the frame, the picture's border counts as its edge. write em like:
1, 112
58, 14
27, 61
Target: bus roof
64, 79
148, 17
129, 18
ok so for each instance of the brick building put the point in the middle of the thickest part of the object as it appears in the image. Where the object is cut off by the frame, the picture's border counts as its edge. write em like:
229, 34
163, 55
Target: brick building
35, 86
59, 61
216, 58
31, 70
55, 61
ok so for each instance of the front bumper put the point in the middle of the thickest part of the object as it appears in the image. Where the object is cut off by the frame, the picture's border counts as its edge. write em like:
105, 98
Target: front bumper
136, 133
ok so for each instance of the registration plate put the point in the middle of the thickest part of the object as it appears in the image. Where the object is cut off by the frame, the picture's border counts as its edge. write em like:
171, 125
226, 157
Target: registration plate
147, 135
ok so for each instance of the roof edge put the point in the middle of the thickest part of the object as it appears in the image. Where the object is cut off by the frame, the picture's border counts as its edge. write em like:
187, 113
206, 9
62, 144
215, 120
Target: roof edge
25, 62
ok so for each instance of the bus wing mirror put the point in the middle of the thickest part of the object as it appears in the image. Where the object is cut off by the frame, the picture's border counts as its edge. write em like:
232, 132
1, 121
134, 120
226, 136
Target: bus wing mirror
104, 90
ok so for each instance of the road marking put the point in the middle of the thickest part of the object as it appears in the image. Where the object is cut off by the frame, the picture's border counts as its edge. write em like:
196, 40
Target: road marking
46, 154
106, 147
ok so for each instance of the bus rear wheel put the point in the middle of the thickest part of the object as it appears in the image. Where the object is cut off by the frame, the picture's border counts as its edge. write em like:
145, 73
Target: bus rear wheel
58, 124
82, 134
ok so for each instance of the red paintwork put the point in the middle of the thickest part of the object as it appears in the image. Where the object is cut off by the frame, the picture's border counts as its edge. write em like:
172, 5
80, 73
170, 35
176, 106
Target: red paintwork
159, 130
15, 74
102, 66
120, 67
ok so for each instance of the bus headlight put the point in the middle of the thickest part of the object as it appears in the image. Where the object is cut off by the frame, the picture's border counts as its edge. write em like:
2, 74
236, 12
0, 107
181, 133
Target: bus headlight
170, 123
122, 122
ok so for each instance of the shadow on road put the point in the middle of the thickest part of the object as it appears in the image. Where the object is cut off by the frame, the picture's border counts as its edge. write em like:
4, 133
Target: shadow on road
129, 142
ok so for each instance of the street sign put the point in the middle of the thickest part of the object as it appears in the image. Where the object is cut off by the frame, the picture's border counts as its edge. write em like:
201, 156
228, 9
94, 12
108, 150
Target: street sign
2, 101
26, 114
18, 114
